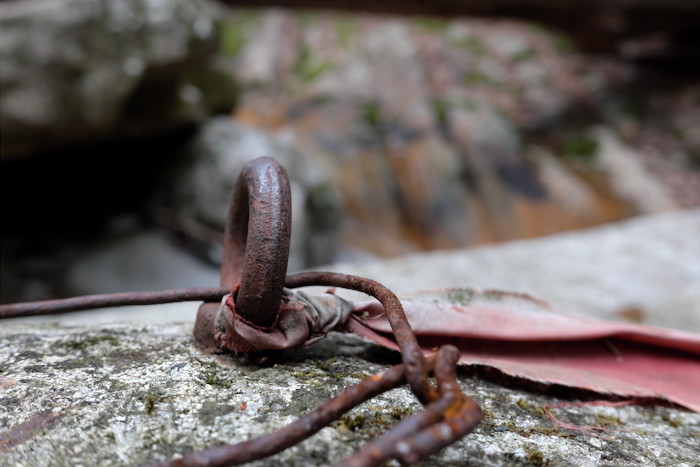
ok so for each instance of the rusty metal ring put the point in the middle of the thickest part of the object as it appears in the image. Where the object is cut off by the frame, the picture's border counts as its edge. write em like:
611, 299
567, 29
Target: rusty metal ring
256, 243
256, 248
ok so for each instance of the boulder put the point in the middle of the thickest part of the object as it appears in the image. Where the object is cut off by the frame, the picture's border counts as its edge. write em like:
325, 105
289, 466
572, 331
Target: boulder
198, 186
428, 123
74, 71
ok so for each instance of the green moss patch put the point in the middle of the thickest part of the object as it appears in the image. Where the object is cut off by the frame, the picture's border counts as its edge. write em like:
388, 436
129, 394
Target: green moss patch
581, 146
373, 421
89, 341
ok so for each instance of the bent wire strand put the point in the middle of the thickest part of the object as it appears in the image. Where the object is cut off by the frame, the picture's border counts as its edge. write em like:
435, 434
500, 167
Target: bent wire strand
90, 302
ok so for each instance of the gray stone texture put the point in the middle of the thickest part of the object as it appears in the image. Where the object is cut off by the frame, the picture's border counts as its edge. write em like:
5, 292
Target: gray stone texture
76, 70
127, 394
200, 185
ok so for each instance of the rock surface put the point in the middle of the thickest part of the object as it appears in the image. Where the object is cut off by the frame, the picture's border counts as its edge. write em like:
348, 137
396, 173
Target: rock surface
428, 123
199, 186
126, 394
444, 133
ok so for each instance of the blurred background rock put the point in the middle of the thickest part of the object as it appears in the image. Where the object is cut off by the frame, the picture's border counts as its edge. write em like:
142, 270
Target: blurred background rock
404, 127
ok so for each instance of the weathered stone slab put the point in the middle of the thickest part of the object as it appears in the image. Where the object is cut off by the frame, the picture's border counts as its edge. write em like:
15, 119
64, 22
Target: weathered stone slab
126, 394
427, 123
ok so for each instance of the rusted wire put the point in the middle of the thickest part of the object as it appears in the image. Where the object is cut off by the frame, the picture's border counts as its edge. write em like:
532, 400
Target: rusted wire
413, 359
256, 251
88, 302
441, 423
297, 431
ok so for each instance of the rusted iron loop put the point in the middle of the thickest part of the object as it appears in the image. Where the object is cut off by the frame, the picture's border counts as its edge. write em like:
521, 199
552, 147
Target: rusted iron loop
256, 250
256, 243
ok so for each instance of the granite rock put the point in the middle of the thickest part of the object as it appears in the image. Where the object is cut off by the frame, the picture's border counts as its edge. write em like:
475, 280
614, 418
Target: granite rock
126, 394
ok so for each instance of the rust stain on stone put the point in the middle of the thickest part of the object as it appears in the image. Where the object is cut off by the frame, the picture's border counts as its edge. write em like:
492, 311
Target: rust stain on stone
7, 382
632, 313
25, 431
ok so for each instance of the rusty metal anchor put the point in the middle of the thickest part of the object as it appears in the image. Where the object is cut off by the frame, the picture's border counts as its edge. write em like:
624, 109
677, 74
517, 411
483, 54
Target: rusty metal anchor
256, 305
255, 264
